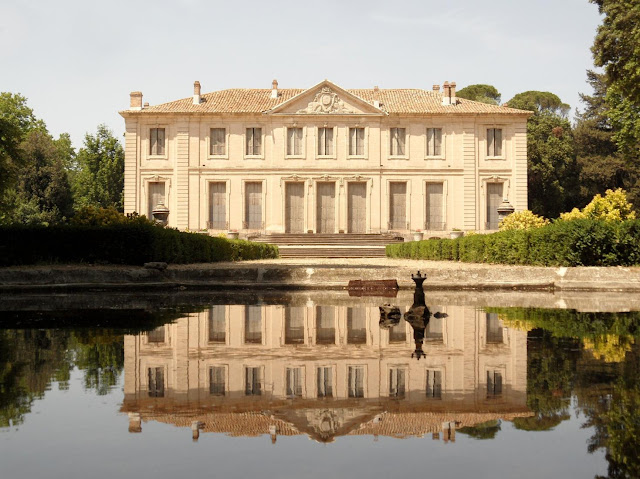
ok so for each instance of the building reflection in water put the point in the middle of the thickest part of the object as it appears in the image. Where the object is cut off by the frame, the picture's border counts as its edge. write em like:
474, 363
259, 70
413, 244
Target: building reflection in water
325, 371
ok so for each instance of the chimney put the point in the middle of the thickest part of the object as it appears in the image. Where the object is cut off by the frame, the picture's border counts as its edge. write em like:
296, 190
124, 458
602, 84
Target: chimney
136, 100
452, 92
196, 93
436, 88
274, 89
146, 105
446, 93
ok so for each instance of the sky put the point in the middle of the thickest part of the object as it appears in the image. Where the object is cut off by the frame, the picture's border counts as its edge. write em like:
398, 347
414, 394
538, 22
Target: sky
76, 61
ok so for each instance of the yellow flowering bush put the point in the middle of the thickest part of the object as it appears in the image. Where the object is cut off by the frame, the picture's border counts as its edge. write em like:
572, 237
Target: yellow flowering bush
522, 220
609, 347
612, 207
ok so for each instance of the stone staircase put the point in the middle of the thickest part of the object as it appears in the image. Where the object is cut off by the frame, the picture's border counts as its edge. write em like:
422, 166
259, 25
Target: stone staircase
343, 245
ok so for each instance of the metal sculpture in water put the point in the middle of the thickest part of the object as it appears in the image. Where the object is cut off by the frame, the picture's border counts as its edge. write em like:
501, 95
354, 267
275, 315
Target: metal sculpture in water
417, 316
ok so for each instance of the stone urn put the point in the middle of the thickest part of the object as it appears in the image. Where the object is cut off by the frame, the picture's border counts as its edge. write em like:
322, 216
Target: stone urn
456, 234
418, 235
232, 234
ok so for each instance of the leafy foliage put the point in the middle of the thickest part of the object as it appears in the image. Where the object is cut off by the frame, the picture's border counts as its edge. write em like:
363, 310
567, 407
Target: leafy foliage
539, 102
100, 178
612, 207
135, 241
522, 220
482, 93
581, 242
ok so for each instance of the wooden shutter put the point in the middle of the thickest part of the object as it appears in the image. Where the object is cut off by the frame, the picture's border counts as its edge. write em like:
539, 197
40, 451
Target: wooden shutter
218, 205
434, 207
398, 205
356, 326
253, 205
494, 199
294, 325
217, 324
325, 325
498, 142
253, 324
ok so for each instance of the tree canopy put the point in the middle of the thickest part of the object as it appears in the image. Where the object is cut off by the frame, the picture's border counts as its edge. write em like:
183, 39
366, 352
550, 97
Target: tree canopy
539, 102
482, 93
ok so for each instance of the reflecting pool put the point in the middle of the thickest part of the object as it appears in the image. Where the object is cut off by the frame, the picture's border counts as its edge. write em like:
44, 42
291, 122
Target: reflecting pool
315, 385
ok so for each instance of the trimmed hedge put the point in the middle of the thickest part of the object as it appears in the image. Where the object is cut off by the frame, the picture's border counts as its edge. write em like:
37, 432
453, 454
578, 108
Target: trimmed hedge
133, 243
562, 243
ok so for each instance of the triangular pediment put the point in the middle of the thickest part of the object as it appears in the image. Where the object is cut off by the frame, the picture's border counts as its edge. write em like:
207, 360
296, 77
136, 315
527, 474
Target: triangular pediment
326, 98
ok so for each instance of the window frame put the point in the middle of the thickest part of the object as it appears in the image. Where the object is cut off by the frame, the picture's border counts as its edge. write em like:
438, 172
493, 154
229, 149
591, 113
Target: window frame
300, 154
334, 142
149, 149
224, 155
405, 153
365, 141
502, 155
252, 156
428, 154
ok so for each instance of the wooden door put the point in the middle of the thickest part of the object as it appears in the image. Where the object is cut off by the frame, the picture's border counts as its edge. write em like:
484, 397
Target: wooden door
357, 207
294, 208
326, 207
218, 205
398, 206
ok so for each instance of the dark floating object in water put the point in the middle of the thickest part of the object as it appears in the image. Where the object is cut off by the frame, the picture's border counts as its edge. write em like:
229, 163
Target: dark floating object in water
379, 287
389, 316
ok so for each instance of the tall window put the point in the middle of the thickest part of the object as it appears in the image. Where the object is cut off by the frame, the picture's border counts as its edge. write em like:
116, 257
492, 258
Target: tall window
156, 336
253, 381
325, 325
356, 141
254, 141
435, 211
217, 142
494, 141
217, 324
253, 205
397, 380
294, 382
398, 206
397, 144
294, 141
325, 382
398, 333
217, 381
253, 324
217, 205
434, 141
494, 199
434, 384
294, 325
156, 196
157, 142
356, 381
494, 329
434, 330
156, 382
325, 141
494, 383
356, 326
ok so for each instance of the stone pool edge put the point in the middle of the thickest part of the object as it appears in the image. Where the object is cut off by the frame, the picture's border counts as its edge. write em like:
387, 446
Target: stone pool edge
316, 275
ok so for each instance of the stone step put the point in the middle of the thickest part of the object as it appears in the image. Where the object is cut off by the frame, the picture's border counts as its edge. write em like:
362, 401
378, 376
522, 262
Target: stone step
327, 239
333, 252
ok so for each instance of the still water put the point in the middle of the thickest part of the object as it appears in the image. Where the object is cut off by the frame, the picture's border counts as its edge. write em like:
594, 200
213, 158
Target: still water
315, 385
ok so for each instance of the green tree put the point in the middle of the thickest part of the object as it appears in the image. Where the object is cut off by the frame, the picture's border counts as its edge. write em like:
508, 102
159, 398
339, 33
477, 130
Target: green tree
42, 193
16, 120
552, 170
616, 48
539, 102
482, 93
99, 181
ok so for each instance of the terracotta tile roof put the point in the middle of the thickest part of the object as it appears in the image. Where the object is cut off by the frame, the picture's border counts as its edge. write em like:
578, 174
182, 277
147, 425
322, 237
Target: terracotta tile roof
392, 101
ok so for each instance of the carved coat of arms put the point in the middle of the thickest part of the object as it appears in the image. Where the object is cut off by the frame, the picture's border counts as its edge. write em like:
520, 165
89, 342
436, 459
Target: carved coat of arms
326, 101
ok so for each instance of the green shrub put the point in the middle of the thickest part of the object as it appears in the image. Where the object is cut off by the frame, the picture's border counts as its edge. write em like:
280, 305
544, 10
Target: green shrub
579, 242
131, 242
